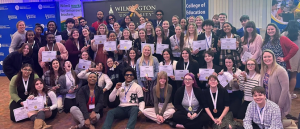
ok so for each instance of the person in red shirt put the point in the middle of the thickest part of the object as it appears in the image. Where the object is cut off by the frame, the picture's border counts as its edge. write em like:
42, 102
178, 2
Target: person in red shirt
100, 17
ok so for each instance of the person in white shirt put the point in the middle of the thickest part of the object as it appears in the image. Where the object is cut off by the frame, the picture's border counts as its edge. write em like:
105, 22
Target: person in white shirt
131, 99
262, 113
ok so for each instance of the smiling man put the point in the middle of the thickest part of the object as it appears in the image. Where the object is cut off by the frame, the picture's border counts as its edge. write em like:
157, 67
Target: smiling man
262, 113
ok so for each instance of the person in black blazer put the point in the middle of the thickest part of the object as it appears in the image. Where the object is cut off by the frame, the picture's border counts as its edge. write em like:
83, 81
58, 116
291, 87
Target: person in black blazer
211, 40
159, 18
110, 20
13, 62
83, 25
186, 62
160, 38
209, 57
190, 112
141, 39
167, 31
66, 33
90, 95
87, 38
38, 34
175, 22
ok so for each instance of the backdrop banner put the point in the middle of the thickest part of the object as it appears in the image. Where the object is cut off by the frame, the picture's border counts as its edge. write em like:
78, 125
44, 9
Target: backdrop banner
196, 8
30, 13
146, 8
284, 11
69, 9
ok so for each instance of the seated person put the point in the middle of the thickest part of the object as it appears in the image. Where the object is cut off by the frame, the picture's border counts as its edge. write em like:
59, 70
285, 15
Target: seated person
89, 103
262, 113
50, 101
131, 101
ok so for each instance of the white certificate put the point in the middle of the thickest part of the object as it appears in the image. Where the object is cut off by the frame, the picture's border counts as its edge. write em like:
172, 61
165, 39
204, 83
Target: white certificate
205, 73
99, 39
200, 44
48, 56
228, 43
35, 104
225, 78
110, 45
151, 45
125, 44
146, 71
179, 74
246, 56
20, 113
167, 68
84, 64
160, 48
58, 38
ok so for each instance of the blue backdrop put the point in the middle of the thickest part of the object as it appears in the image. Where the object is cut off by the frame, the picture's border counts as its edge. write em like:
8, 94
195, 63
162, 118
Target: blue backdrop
30, 13
196, 8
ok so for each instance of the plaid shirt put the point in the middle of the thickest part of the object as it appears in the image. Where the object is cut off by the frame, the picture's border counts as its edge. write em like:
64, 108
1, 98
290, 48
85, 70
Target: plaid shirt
272, 116
47, 79
235, 53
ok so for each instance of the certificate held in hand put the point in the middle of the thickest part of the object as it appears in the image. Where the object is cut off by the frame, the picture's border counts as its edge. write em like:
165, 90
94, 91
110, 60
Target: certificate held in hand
160, 48
84, 64
179, 74
167, 68
110, 45
228, 43
125, 44
99, 39
48, 56
35, 104
146, 71
205, 73
200, 44
58, 38
151, 45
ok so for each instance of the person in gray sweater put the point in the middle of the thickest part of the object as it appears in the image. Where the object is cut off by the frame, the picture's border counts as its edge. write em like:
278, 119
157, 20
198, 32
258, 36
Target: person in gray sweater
18, 37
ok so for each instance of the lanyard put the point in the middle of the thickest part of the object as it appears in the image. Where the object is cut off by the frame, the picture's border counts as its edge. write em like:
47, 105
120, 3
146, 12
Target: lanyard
127, 89
70, 79
86, 41
158, 22
55, 32
32, 44
52, 47
190, 98
167, 35
132, 65
248, 44
261, 113
99, 76
92, 97
214, 100
176, 40
26, 84
185, 68
208, 41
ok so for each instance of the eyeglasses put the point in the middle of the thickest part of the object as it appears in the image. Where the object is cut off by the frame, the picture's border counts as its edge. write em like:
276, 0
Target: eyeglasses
111, 19
250, 64
188, 79
128, 75
28, 70
82, 22
158, 14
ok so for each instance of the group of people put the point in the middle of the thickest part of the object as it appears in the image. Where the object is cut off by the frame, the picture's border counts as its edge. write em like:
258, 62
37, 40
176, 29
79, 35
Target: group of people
260, 92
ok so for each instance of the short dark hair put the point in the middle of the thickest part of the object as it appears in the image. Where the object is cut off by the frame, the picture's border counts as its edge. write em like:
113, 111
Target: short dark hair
81, 18
274, 2
130, 70
223, 14
258, 89
70, 20
38, 25
159, 11
244, 17
209, 53
208, 22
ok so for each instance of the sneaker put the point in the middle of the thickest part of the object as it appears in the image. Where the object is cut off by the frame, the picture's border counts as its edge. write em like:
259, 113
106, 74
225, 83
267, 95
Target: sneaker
294, 96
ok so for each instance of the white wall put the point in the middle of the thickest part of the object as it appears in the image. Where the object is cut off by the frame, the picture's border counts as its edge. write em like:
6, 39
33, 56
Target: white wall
258, 10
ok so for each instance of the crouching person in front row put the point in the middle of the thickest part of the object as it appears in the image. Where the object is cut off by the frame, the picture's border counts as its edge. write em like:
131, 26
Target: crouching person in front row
89, 103
131, 98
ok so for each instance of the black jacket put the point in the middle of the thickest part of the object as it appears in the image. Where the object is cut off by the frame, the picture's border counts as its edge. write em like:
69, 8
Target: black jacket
13, 62
82, 98
214, 44
179, 96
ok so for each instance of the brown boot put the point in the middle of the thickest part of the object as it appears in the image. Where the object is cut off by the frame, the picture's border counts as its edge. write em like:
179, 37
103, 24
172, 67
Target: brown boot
38, 124
45, 126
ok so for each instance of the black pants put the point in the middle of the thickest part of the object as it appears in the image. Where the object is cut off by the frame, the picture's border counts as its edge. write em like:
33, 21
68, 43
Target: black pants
68, 103
243, 109
13, 105
255, 126
180, 117
236, 98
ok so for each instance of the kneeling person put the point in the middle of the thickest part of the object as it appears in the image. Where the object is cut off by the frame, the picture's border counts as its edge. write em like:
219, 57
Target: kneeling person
131, 101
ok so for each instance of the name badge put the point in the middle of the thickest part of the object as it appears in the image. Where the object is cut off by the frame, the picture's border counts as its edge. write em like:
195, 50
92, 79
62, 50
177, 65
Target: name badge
124, 100
92, 106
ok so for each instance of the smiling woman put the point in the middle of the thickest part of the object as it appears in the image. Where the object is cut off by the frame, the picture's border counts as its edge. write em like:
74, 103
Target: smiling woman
18, 37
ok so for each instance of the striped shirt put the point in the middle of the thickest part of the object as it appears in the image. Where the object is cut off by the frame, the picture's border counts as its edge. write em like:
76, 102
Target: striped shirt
247, 86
